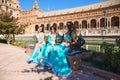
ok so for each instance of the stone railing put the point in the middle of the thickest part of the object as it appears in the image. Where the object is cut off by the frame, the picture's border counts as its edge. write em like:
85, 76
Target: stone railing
101, 32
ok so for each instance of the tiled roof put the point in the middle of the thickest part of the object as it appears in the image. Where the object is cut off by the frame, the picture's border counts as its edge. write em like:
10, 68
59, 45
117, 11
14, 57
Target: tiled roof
82, 8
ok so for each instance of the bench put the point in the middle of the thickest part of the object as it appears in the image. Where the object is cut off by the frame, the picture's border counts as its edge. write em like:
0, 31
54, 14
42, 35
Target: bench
74, 60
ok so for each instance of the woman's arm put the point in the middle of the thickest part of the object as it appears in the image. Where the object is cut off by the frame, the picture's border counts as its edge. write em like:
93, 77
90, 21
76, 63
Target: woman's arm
74, 37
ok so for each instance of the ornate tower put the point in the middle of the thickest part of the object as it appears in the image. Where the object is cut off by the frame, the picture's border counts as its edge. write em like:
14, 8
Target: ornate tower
36, 9
10, 6
35, 6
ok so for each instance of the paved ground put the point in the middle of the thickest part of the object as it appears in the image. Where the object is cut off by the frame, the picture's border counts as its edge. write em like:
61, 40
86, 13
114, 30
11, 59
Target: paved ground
14, 67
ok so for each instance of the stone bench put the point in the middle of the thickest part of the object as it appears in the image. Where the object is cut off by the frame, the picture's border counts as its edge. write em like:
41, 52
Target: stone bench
74, 60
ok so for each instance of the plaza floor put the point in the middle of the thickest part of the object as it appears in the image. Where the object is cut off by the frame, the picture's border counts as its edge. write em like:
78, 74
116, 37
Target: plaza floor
14, 67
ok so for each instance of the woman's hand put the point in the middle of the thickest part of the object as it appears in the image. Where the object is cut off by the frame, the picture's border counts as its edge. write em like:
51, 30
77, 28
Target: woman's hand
67, 44
74, 37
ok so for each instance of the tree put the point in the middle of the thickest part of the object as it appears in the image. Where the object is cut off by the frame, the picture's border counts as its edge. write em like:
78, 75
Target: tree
9, 26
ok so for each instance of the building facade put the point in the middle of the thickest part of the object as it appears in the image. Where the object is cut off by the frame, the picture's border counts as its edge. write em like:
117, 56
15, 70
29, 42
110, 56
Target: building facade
92, 20
10, 6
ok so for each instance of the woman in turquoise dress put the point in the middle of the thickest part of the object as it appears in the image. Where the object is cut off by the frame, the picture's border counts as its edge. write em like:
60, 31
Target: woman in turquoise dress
71, 32
56, 58
60, 63
39, 43
48, 55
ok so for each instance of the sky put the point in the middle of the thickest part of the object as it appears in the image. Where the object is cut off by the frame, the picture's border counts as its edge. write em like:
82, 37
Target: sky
56, 4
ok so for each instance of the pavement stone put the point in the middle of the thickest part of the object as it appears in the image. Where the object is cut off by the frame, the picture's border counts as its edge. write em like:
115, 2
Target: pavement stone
13, 66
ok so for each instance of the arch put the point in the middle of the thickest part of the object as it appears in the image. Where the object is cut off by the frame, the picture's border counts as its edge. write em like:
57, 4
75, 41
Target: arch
48, 27
61, 25
76, 24
2, 1
102, 22
42, 25
36, 27
115, 21
54, 25
93, 23
84, 24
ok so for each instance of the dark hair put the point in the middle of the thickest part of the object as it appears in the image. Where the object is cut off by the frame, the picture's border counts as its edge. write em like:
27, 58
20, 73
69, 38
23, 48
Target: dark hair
69, 24
53, 28
70, 27
42, 28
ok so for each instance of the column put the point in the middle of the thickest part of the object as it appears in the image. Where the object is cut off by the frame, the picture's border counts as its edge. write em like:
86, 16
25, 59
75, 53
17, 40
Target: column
99, 23
88, 24
96, 24
44, 27
81, 25
119, 21
107, 24
110, 23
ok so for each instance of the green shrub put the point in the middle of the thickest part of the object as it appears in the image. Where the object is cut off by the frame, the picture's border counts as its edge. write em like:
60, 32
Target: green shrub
111, 57
22, 43
3, 41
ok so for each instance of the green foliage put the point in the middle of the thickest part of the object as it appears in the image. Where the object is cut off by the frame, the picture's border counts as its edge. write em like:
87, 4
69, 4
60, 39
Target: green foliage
111, 57
3, 41
9, 26
21, 43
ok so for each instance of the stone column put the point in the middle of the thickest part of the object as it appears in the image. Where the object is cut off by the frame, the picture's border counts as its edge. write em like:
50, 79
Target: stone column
119, 21
96, 24
110, 22
81, 25
107, 23
99, 23
88, 24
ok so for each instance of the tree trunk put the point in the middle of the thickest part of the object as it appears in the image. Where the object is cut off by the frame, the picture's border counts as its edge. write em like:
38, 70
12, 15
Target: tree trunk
13, 37
8, 41
8, 38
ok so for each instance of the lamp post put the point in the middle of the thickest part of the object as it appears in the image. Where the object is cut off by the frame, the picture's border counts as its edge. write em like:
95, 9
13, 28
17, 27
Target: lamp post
104, 29
105, 13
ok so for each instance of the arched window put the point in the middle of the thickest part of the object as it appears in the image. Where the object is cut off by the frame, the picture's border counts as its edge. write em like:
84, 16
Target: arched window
2, 1
36, 27
17, 7
84, 24
93, 23
115, 21
10, 4
76, 24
